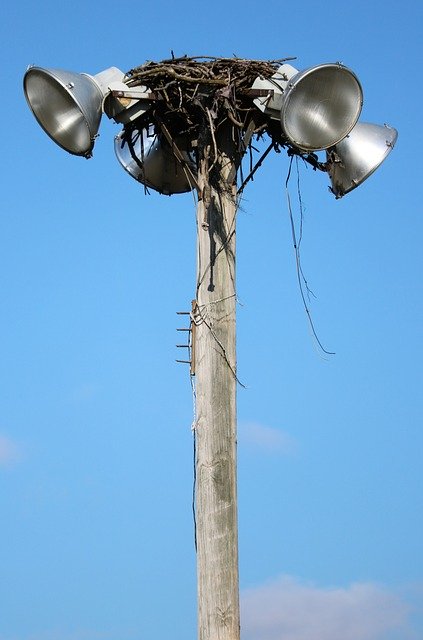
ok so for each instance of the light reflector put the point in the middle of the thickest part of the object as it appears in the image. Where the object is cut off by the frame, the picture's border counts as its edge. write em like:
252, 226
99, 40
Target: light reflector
356, 157
67, 105
320, 106
149, 159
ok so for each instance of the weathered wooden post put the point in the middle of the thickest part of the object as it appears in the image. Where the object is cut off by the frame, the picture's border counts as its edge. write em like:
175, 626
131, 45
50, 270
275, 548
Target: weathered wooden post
215, 373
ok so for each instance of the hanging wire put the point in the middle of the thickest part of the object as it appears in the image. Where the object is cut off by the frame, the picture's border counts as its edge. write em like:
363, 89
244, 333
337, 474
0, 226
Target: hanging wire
194, 475
301, 208
300, 275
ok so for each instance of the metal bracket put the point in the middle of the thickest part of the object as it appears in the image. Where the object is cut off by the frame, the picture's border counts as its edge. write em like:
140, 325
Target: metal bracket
191, 338
134, 94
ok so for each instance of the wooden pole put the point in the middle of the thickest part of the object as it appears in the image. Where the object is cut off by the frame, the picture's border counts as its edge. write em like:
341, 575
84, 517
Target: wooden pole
215, 382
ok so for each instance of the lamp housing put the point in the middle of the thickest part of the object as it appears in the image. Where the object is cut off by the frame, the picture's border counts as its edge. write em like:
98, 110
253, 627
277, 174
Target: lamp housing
149, 159
317, 107
69, 105
358, 155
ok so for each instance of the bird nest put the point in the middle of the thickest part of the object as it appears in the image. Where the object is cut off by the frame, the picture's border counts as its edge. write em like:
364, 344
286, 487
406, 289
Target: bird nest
196, 93
195, 96
197, 101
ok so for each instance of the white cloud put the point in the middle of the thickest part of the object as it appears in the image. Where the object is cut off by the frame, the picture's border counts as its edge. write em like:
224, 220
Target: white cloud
9, 452
266, 438
287, 609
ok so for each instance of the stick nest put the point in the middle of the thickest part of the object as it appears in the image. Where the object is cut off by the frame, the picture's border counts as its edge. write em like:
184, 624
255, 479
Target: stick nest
193, 92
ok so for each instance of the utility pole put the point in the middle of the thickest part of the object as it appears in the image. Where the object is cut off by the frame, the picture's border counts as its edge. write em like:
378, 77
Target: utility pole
203, 113
215, 373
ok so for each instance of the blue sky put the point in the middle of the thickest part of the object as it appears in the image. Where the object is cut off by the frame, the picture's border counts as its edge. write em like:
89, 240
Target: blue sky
95, 415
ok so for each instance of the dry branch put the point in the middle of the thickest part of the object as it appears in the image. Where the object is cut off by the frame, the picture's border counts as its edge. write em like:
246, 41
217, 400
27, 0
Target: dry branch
196, 96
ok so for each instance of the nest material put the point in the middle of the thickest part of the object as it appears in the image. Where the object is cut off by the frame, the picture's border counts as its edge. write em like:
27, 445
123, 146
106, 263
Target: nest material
194, 94
196, 98
208, 72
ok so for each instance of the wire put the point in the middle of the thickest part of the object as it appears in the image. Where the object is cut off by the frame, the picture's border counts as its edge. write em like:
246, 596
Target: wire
300, 203
194, 475
300, 275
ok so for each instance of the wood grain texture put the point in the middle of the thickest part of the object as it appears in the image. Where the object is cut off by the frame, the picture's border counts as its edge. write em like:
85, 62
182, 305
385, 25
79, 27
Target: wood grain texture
215, 372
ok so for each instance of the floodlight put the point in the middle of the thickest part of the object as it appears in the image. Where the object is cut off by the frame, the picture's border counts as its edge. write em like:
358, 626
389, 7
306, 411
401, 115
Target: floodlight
148, 158
317, 107
356, 157
69, 105
320, 106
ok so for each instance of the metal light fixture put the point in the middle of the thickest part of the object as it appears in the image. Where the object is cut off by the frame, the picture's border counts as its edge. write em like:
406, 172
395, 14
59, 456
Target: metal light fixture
320, 106
148, 158
358, 155
69, 105
317, 107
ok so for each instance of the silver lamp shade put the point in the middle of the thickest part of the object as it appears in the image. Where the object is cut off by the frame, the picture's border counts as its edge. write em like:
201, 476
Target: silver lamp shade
320, 106
69, 105
155, 165
356, 157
